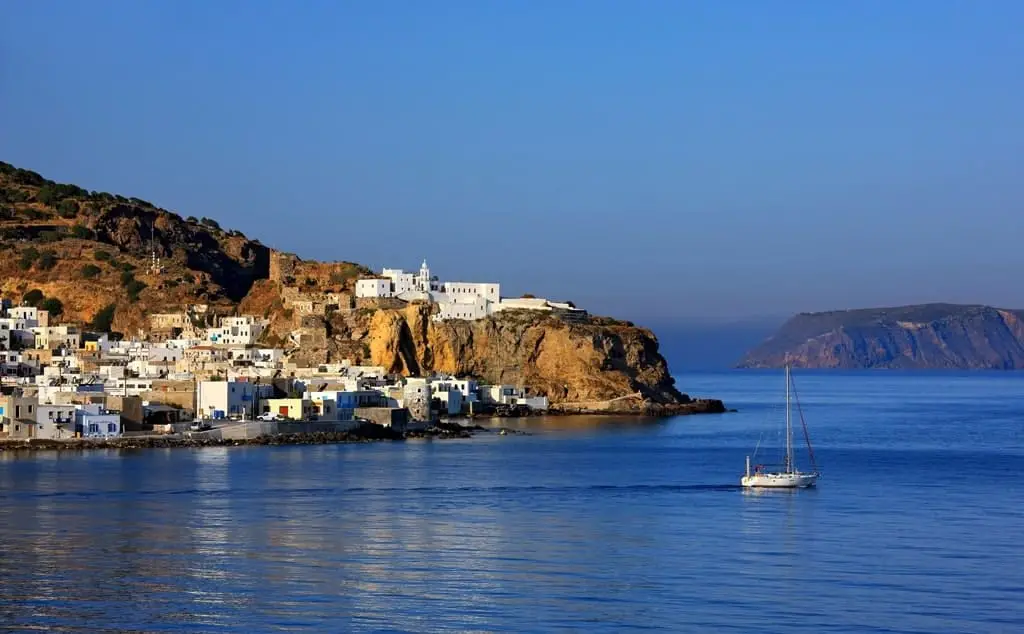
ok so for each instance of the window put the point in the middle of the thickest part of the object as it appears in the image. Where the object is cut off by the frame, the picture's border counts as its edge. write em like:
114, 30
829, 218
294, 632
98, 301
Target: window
111, 427
94, 428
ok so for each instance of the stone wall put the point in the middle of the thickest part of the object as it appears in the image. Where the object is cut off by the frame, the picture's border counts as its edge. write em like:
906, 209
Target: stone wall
395, 417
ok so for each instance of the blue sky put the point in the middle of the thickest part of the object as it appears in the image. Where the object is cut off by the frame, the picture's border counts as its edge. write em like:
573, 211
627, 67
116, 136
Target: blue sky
659, 161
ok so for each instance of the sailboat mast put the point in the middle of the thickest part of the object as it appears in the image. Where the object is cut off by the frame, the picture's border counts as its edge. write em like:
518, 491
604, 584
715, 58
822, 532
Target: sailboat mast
789, 429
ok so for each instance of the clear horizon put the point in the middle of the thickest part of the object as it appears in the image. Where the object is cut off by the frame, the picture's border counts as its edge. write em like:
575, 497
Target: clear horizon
660, 162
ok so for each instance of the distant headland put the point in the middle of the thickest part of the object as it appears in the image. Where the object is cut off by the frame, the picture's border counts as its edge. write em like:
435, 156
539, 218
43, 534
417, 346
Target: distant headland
923, 336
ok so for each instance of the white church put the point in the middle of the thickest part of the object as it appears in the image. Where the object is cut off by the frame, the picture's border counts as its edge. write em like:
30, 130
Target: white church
455, 300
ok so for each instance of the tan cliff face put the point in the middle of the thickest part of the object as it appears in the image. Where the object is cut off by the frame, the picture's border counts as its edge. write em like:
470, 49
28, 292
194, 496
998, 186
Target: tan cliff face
568, 363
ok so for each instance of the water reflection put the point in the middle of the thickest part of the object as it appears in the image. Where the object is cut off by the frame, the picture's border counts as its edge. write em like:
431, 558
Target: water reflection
636, 525
576, 423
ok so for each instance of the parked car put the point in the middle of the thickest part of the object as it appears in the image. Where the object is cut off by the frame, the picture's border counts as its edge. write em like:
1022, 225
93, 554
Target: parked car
200, 425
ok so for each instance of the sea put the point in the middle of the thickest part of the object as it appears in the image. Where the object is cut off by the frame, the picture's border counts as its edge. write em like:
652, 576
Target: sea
583, 525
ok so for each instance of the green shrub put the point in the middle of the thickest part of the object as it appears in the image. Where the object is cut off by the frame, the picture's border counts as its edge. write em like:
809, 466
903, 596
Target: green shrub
49, 236
127, 267
89, 271
47, 260
12, 195
47, 196
209, 222
103, 319
127, 277
32, 214
34, 297
28, 258
81, 232
101, 255
67, 208
134, 288
53, 306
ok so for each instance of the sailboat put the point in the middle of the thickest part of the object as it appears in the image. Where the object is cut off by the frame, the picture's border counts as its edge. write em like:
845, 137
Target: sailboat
788, 476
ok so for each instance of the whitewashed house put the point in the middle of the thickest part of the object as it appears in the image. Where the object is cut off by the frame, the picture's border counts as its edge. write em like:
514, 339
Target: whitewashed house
94, 421
20, 332
455, 300
230, 399
31, 315
54, 337
244, 330
55, 421
373, 287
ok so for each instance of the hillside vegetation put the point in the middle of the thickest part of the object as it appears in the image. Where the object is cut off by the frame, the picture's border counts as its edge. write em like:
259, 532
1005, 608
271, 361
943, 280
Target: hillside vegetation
92, 251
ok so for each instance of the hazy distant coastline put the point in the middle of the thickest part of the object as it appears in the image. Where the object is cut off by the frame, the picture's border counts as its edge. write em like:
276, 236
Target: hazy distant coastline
922, 336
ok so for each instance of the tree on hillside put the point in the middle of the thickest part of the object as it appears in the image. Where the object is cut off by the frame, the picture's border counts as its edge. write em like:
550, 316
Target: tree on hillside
90, 271
33, 298
103, 319
46, 195
47, 260
134, 288
28, 258
53, 306
67, 208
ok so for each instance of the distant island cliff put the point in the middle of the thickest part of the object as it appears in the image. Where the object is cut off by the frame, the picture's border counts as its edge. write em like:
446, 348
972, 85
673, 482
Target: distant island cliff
951, 336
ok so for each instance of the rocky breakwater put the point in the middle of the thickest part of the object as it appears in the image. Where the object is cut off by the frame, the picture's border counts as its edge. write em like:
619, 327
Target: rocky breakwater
365, 433
601, 366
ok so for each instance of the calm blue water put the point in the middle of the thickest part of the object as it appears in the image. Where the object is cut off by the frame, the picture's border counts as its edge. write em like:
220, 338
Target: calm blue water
584, 526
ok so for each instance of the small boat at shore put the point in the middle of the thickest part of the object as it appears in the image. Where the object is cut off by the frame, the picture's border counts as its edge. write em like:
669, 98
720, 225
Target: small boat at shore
786, 475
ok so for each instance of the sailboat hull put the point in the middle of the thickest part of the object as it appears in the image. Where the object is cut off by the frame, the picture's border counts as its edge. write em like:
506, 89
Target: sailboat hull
780, 480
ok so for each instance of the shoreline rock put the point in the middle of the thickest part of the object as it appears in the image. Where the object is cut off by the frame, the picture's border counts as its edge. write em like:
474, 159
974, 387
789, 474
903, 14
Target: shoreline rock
647, 408
366, 433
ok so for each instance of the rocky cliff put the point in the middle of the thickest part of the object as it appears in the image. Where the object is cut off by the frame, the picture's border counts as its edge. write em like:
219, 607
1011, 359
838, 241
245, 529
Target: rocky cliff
89, 253
571, 363
921, 336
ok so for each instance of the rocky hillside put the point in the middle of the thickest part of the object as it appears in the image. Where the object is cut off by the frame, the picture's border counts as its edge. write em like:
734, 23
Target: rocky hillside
922, 336
88, 256
91, 251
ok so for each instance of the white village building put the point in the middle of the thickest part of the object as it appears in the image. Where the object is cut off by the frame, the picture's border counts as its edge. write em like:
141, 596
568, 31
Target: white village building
455, 300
